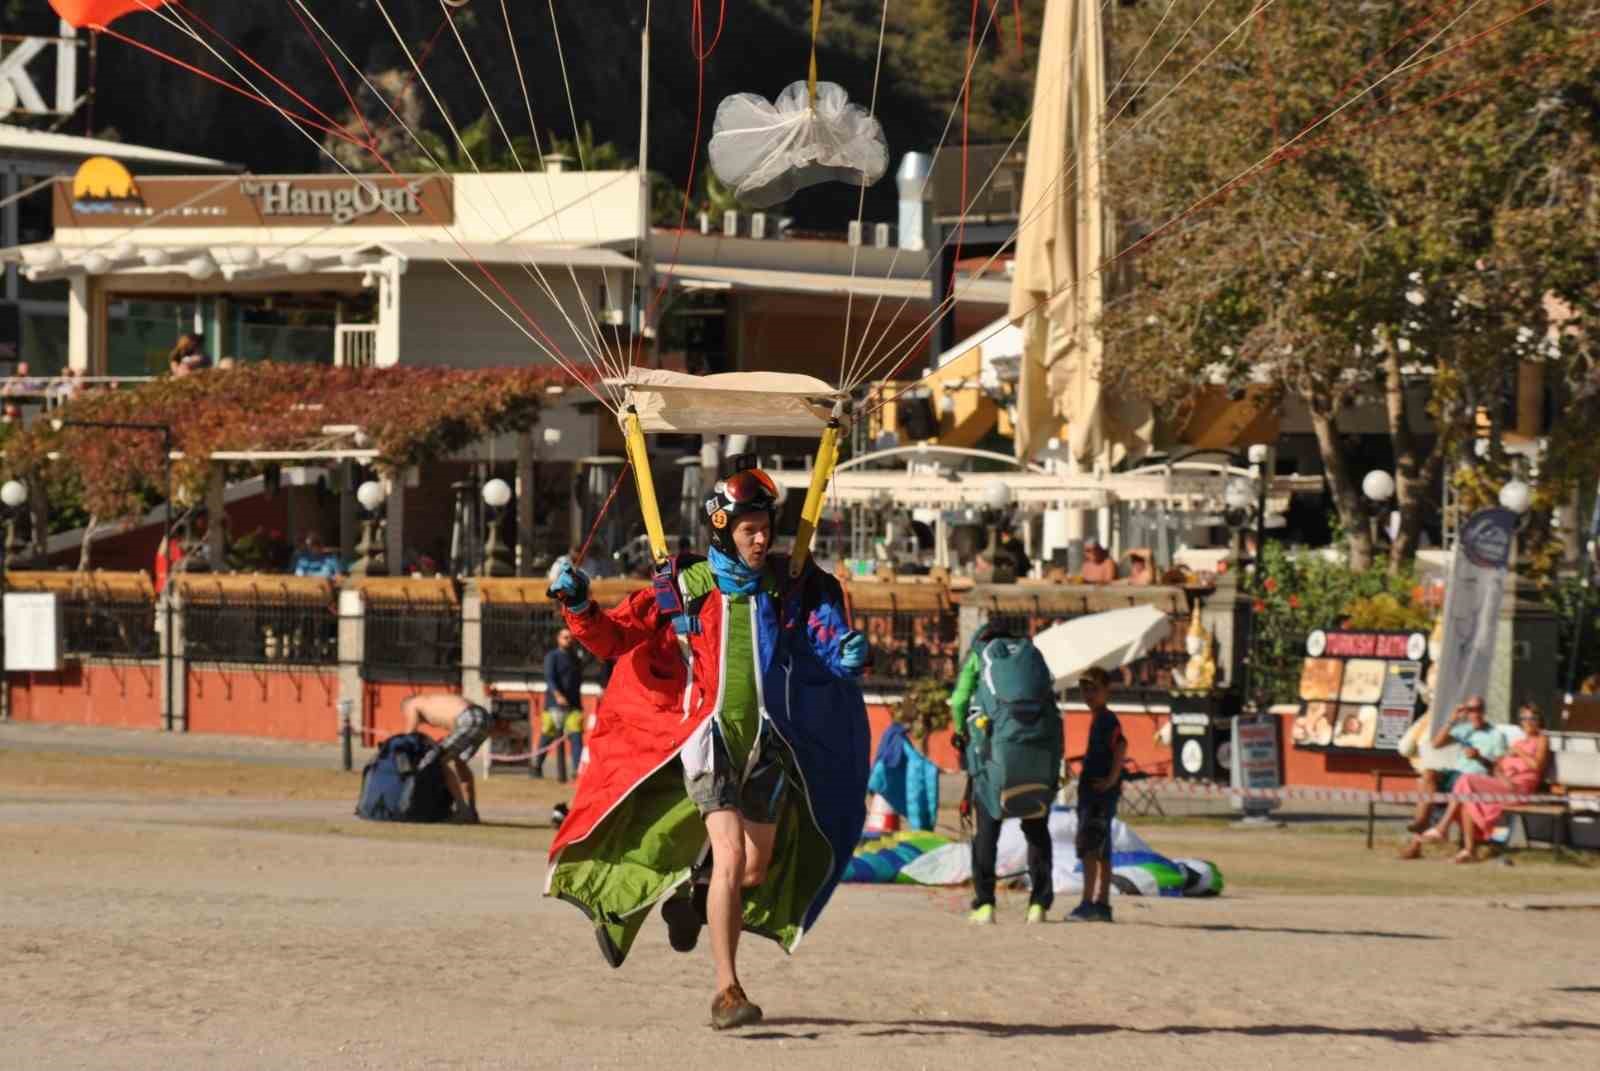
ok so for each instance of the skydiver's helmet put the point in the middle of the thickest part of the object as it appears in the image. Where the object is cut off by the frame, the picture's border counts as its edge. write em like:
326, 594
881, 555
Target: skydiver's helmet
745, 491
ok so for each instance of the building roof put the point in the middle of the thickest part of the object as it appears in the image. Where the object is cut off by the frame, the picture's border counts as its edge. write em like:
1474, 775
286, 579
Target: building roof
20, 140
509, 253
985, 291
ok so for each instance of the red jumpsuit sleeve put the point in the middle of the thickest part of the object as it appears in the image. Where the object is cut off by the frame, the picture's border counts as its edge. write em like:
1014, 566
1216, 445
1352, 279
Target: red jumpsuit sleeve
610, 634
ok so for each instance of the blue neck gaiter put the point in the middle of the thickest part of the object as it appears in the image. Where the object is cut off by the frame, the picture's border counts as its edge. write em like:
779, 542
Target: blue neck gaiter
734, 577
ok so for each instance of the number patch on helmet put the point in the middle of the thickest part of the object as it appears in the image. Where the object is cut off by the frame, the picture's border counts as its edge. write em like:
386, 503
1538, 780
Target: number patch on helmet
719, 519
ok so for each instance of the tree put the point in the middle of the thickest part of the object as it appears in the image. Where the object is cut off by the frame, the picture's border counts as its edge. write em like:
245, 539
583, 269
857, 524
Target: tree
1435, 232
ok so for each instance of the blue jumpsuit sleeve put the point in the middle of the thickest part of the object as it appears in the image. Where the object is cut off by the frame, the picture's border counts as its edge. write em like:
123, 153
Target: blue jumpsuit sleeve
827, 626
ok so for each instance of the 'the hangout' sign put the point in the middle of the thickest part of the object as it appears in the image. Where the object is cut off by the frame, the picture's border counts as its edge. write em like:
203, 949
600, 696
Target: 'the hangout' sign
339, 202
277, 200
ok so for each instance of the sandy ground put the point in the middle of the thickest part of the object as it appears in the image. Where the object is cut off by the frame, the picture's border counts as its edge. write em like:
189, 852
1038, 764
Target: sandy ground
179, 909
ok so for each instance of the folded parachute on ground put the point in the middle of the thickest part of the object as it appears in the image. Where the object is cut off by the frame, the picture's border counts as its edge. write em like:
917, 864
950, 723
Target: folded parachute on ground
883, 860
1136, 870
767, 152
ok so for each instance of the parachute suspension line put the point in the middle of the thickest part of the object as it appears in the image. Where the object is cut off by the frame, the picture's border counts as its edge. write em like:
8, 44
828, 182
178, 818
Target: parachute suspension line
816, 28
251, 60
350, 99
949, 123
861, 201
622, 478
583, 168
1409, 63
461, 144
598, 355
547, 346
702, 53
427, 47
883, 336
294, 117
538, 149
1045, 199
821, 473
639, 457
966, 107
645, 230
1283, 153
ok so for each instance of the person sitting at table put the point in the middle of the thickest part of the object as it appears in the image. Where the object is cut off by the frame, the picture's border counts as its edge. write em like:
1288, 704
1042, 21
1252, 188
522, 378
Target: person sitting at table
1519, 772
1098, 566
1141, 571
187, 356
312, 559
21, 385
67, 387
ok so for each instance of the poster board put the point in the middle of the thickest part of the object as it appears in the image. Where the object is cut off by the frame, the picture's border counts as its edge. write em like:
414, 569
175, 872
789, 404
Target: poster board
1359, 690
33, 632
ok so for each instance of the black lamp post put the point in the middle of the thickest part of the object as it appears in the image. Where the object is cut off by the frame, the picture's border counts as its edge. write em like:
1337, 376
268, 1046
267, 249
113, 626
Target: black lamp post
165, 431
13, 496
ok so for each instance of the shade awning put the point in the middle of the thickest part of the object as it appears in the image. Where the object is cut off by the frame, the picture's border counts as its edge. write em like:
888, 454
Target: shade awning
745, 403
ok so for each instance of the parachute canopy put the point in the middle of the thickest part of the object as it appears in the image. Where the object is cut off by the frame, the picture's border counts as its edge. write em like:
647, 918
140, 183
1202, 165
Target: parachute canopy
767, 152
82, 13
755, 403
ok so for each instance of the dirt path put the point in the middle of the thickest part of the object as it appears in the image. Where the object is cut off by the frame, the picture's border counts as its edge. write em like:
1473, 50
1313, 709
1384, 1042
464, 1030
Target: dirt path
143, 932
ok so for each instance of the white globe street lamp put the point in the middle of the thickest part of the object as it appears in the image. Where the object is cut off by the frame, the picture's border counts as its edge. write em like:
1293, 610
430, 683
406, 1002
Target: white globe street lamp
14, 494
496, 493
370, 495
997, 495
1516, 496
1378, 486
496, 559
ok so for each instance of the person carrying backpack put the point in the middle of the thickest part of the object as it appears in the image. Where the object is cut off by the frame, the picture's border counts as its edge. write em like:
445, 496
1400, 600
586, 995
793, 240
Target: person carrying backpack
1008, 730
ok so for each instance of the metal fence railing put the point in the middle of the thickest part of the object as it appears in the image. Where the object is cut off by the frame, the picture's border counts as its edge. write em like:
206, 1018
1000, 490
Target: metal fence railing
263, 630
1151, 673
412, 641
910, 644
517, 636
99, 627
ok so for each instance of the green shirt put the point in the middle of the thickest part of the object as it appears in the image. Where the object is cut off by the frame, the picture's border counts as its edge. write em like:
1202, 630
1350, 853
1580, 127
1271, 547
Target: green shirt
741, 702
966, 688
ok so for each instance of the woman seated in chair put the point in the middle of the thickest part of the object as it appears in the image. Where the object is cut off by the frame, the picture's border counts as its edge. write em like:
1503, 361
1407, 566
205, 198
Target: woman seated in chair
1519, 773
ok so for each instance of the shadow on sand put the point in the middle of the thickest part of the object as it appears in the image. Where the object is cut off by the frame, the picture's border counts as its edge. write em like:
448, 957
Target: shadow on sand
1228, 927
779, 1029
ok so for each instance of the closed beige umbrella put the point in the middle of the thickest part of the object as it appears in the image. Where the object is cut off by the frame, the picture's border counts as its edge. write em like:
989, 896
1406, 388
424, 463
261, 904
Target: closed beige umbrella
1058, 290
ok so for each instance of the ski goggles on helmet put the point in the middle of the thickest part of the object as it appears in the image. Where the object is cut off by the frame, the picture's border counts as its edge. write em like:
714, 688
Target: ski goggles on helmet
746, 487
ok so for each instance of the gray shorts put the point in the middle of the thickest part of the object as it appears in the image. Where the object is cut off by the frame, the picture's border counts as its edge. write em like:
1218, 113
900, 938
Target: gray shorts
471, 730
758, 797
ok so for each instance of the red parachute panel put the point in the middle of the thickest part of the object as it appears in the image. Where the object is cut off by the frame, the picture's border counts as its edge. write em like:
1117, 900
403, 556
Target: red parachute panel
83, 13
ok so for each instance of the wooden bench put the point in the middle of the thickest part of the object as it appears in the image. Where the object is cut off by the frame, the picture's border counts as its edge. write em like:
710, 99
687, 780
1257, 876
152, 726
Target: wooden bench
1560, 827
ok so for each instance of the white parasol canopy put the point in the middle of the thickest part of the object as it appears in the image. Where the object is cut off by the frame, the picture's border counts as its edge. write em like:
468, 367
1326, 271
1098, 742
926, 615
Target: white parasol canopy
1110, 639
748, 403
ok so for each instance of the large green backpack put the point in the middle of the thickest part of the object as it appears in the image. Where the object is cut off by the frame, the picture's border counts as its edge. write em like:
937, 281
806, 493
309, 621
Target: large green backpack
1014, 732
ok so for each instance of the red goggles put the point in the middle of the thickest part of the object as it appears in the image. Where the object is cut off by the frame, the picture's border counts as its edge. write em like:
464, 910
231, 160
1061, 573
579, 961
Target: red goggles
748, 486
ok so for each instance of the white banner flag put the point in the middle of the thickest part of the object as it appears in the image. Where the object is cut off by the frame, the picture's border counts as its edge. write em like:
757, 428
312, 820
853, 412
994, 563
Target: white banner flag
1472, 599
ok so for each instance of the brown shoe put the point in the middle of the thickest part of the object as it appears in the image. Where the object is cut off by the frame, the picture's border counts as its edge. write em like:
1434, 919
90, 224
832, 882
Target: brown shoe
732, 1008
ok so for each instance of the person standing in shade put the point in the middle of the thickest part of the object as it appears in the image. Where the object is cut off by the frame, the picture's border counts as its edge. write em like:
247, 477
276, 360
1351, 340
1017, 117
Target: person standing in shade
563, 705
1099, 790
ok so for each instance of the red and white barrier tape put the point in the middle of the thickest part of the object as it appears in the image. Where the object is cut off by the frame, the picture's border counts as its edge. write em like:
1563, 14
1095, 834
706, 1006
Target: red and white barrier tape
495, 756
1346, 795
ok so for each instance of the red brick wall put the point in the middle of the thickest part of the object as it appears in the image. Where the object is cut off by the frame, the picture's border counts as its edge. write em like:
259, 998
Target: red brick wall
289, 704
123, 695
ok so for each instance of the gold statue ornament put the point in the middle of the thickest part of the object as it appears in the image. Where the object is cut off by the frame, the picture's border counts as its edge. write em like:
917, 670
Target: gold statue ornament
1200, 674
